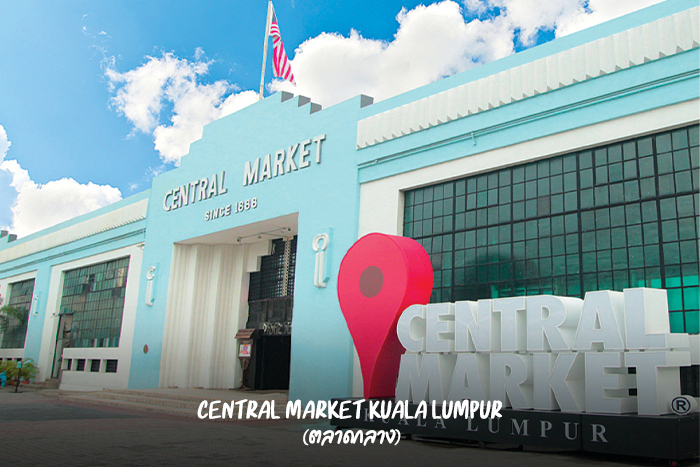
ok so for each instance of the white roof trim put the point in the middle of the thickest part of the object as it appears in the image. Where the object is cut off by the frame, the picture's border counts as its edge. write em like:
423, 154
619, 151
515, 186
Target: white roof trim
111, 220
661, 38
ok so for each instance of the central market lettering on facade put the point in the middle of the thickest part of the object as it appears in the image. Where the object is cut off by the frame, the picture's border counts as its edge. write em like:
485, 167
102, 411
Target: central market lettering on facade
197, 190
283, 162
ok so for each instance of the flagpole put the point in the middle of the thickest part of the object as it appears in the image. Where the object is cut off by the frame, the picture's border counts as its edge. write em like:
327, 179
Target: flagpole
267, 33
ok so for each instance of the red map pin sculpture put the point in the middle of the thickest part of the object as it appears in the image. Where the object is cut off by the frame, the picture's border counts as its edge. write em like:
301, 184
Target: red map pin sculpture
380, 276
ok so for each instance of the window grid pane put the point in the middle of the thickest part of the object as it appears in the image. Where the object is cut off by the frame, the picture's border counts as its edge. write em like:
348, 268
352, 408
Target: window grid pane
618, 216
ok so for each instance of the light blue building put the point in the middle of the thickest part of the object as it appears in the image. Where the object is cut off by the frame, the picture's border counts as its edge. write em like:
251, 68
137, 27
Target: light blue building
566, 168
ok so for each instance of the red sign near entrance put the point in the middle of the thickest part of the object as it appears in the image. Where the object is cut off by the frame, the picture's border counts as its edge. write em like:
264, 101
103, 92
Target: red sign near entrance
380, 276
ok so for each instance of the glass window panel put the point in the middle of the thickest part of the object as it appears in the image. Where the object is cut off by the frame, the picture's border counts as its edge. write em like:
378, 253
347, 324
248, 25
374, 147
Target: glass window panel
619, 258
437, 209
630, 170
438, 193
572, 265
686, 229
684, 182
587, 221
617, 216
614, 153
666, 185
481, 217
603, 239
558, 245
680, 139
675, 299
685, 206
504, 194
691, 298
646, 167
617, 193
586, 159
460, 187
633, 214
504, 213
689, 251
482, 183
601, 175
604, 260
619, 237
681, 160
530, 172
418, 213
663, 143
648, 188
449, 190
519, 174
669, 230
651, 255
601, 157
589, 262
635, 257
492, 197
677, 322
601, 196
570, 182
671, 253
556, 184
447, 206
668, 208
634, 235
621, 280
665, 162
586, 178
557, 204
588, 242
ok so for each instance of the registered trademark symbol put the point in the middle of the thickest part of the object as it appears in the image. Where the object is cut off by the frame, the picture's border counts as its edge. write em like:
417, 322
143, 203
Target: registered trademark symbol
681, 405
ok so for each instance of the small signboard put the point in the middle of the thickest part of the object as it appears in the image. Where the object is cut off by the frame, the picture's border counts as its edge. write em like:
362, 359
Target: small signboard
19, 364
244, 350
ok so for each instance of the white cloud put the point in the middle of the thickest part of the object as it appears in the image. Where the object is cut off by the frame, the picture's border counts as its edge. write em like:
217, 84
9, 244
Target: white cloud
431, 42
562, 16
167, 98
4, 143
598, 12
141, 94
40, 206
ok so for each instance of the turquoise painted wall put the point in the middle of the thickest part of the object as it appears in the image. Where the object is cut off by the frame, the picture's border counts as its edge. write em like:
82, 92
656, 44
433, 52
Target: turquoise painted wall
324, 195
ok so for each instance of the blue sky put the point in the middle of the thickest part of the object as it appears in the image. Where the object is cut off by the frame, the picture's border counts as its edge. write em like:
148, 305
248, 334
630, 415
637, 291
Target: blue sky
88, 113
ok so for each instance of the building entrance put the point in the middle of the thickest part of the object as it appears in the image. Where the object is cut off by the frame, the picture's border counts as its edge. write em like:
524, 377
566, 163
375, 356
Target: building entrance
270, 303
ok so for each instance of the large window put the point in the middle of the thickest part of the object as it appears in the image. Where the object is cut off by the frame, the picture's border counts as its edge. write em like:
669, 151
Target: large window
95, 296
609, 218
21, 294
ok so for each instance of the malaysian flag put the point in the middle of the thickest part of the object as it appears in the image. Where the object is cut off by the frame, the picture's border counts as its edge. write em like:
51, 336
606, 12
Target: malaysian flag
281, 67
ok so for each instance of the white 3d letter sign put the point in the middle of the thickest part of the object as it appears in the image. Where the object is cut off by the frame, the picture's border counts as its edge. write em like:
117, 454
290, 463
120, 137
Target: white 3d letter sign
546, 352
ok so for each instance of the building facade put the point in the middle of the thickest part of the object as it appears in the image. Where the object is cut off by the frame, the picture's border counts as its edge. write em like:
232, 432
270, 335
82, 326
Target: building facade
566, 168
